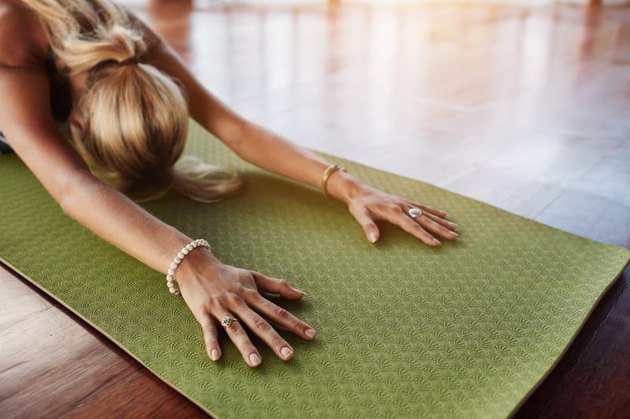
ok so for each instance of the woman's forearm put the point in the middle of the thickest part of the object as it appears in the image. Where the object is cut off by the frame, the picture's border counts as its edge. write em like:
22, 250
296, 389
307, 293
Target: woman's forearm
118, 220
270, 151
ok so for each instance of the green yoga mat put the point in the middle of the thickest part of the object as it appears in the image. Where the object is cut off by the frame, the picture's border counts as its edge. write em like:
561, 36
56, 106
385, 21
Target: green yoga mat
466, 330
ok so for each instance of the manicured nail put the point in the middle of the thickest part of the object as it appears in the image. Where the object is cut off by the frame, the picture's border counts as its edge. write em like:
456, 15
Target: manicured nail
436, 241
286, 351
214, 355
297, 290
372, 237
254, 359
310, 333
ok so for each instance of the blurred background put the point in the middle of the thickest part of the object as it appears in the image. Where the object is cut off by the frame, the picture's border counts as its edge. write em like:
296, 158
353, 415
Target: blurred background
521, 104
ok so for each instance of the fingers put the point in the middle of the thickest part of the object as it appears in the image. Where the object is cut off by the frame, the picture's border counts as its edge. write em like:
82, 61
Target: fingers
232, 303
267, 333
430, 210
448, 224
367, 223
412, 227
281, 316
210, 338
277, 286
242, 300
238, 335
436, 228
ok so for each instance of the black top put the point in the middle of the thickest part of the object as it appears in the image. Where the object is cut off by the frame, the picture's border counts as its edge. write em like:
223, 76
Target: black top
60, 96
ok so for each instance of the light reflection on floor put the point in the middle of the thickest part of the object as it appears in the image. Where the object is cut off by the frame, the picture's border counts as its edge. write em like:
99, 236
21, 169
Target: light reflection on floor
506, 97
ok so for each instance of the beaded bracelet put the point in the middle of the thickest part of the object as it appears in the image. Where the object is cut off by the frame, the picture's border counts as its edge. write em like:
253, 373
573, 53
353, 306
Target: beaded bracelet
175, 263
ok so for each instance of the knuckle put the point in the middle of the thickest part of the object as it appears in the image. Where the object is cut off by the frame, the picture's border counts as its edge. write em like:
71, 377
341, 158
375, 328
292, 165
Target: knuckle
205, 327
262, 325
354, 210
210, 339
421, 232
233, 300
411, 226
251, 294
396, 208
278, 342
281, 313
382, 206
236, 331
212, 303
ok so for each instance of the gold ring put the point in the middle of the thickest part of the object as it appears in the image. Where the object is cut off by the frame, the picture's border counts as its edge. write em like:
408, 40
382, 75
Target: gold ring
227, 321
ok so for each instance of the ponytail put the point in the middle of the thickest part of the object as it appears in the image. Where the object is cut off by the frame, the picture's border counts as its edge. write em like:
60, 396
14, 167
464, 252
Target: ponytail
137, 115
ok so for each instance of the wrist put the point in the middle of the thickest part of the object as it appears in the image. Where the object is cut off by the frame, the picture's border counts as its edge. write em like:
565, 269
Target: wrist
198, 262
343, 186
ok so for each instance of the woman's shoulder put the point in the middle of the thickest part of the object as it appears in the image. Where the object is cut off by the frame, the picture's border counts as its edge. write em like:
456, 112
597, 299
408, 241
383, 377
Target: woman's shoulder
23, 41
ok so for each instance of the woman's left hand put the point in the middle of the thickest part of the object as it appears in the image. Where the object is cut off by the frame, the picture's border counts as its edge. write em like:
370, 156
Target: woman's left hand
368, 204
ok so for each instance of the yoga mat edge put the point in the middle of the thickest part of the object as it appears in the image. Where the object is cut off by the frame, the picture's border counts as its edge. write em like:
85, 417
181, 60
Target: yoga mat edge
101, 331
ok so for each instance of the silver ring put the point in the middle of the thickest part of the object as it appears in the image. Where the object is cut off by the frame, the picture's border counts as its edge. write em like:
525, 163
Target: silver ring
415, 212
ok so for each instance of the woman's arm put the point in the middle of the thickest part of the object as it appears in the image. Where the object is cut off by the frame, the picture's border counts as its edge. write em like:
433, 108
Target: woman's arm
210, 288
28, 126
269, 151
249, 141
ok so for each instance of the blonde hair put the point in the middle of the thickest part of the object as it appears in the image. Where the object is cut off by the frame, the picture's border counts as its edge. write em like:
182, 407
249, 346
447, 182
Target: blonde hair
137, 115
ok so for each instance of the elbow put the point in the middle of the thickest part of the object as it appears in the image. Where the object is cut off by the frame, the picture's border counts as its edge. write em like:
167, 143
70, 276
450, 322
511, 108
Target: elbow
68, 191
63, 196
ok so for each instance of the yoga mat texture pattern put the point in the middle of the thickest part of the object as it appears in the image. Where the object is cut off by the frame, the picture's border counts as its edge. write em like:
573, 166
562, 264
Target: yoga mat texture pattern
404, 330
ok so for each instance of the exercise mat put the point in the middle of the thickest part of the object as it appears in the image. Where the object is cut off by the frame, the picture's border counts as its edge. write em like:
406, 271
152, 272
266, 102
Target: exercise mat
404, 330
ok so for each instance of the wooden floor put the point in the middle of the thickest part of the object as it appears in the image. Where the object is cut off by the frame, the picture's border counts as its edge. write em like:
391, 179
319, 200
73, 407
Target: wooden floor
524, 108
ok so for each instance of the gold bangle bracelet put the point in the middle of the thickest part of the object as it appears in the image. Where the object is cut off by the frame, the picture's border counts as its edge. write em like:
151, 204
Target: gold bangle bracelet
327, 173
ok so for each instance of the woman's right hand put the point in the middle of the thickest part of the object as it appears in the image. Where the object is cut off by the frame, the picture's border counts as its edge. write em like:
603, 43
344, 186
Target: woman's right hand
214, 290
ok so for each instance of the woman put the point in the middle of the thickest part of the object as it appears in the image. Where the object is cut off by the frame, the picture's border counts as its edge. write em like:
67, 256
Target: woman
127, 98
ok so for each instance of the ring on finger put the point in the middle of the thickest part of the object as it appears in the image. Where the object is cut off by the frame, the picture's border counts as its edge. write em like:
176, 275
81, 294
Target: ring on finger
414, 212
227, 321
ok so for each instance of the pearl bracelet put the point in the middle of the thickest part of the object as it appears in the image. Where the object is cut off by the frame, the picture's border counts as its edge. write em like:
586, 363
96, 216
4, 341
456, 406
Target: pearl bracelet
175, 263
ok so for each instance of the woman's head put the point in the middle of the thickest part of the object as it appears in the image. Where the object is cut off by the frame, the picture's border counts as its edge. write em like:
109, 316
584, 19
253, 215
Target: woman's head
135, 124
134, 118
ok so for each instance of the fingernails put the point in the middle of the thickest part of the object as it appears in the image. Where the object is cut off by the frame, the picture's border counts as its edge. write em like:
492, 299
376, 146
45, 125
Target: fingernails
286, 351
297, 290
372, 237
254, 359
436, 242
310, 333
214, 355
